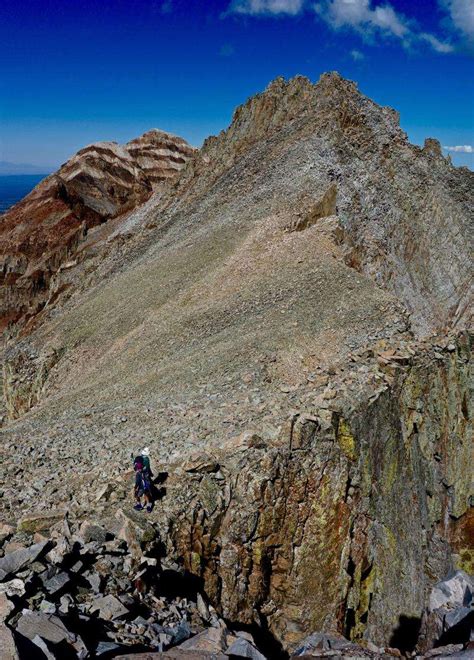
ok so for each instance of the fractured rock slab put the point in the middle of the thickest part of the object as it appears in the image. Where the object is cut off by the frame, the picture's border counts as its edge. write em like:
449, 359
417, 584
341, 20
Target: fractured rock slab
17, 560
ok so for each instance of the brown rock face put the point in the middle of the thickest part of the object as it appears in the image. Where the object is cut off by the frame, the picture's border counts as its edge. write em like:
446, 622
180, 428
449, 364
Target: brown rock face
43, 231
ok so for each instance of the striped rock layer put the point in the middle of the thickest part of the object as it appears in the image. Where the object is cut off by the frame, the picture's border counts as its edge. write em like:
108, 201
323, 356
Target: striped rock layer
44, 231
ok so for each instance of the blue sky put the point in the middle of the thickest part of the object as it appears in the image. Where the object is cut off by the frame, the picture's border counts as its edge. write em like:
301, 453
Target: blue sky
74, 72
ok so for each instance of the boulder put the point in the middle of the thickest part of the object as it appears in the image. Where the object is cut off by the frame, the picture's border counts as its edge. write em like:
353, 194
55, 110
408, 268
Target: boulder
59, 552
41, 644
6, 607
106, 647
202, 608
5, 531
130, 533
242, 648
38, 522
47, 607
444, 651
109, 608
56, 583
7, 643
320, 644
15, 587
449, 617
213, 640
48, 627
176, 654
17, 560
455, 591
94, 580
91, 532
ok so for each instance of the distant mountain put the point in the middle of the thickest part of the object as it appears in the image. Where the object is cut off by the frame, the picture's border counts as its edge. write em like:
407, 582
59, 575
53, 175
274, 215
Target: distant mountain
24, 168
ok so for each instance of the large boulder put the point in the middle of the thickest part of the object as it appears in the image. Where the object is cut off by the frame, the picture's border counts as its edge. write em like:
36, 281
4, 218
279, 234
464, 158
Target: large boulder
449, 617
19, 559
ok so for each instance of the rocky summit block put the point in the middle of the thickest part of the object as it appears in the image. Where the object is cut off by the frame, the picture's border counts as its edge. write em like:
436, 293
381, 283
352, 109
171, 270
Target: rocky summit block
286, 327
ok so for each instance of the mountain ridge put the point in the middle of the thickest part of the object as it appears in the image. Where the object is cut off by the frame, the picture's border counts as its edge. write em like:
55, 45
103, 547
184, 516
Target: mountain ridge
286, 326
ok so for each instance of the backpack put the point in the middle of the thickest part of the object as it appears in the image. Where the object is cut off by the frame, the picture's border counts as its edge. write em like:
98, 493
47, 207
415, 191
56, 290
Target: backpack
138, 463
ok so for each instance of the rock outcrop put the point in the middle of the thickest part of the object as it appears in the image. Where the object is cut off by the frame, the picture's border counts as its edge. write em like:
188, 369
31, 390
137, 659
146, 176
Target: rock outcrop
287, 328
43, 232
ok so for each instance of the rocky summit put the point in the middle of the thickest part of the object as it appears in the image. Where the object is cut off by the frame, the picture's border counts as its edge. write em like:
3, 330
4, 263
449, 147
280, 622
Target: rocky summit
283, 318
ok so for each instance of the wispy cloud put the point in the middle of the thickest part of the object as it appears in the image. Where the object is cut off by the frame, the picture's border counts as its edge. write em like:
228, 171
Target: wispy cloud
356, 55
461, 149
436, 44
461, 14
365, 17
359, 15
266, 7
371, 20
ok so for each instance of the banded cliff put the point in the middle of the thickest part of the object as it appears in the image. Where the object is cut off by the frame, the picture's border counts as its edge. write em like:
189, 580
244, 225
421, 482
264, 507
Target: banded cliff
287, 328
44, 232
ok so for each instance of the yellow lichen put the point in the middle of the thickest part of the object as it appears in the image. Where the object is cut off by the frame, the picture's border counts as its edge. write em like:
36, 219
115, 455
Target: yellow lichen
346, 439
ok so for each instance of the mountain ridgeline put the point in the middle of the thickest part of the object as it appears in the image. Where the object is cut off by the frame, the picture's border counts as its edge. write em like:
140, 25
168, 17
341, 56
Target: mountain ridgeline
283, 317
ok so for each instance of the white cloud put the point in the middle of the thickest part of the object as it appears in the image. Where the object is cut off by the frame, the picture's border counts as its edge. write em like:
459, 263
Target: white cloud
461, 149
436, 44
369, 20
356, 55
461, 13
364, 16
359, 15
266, 7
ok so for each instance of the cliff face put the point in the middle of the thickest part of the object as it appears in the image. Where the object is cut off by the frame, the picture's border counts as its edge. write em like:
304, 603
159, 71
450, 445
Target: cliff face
287, 328
344, 521
46, 229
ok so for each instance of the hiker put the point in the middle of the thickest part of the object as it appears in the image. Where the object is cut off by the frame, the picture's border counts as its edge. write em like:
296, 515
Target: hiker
142, 484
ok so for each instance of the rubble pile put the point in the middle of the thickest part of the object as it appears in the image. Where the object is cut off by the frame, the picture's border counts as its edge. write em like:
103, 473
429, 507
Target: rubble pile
86, 594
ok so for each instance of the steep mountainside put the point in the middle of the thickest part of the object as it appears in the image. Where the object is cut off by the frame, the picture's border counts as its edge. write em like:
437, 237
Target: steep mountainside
287, 328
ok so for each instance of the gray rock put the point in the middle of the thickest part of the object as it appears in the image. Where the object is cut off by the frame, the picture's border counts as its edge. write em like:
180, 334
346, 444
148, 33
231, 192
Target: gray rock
41, 644
46, 626
456, 591
6, 607
453, 617
56, 583
242, 648
106, 647
15, 587
449, 610
65, 603
57, 554
443, 651
8, 648
17, 560
203, 608
324, 642
92, 532
212, 639
47, 607
109, 608
94, 580
180, 633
